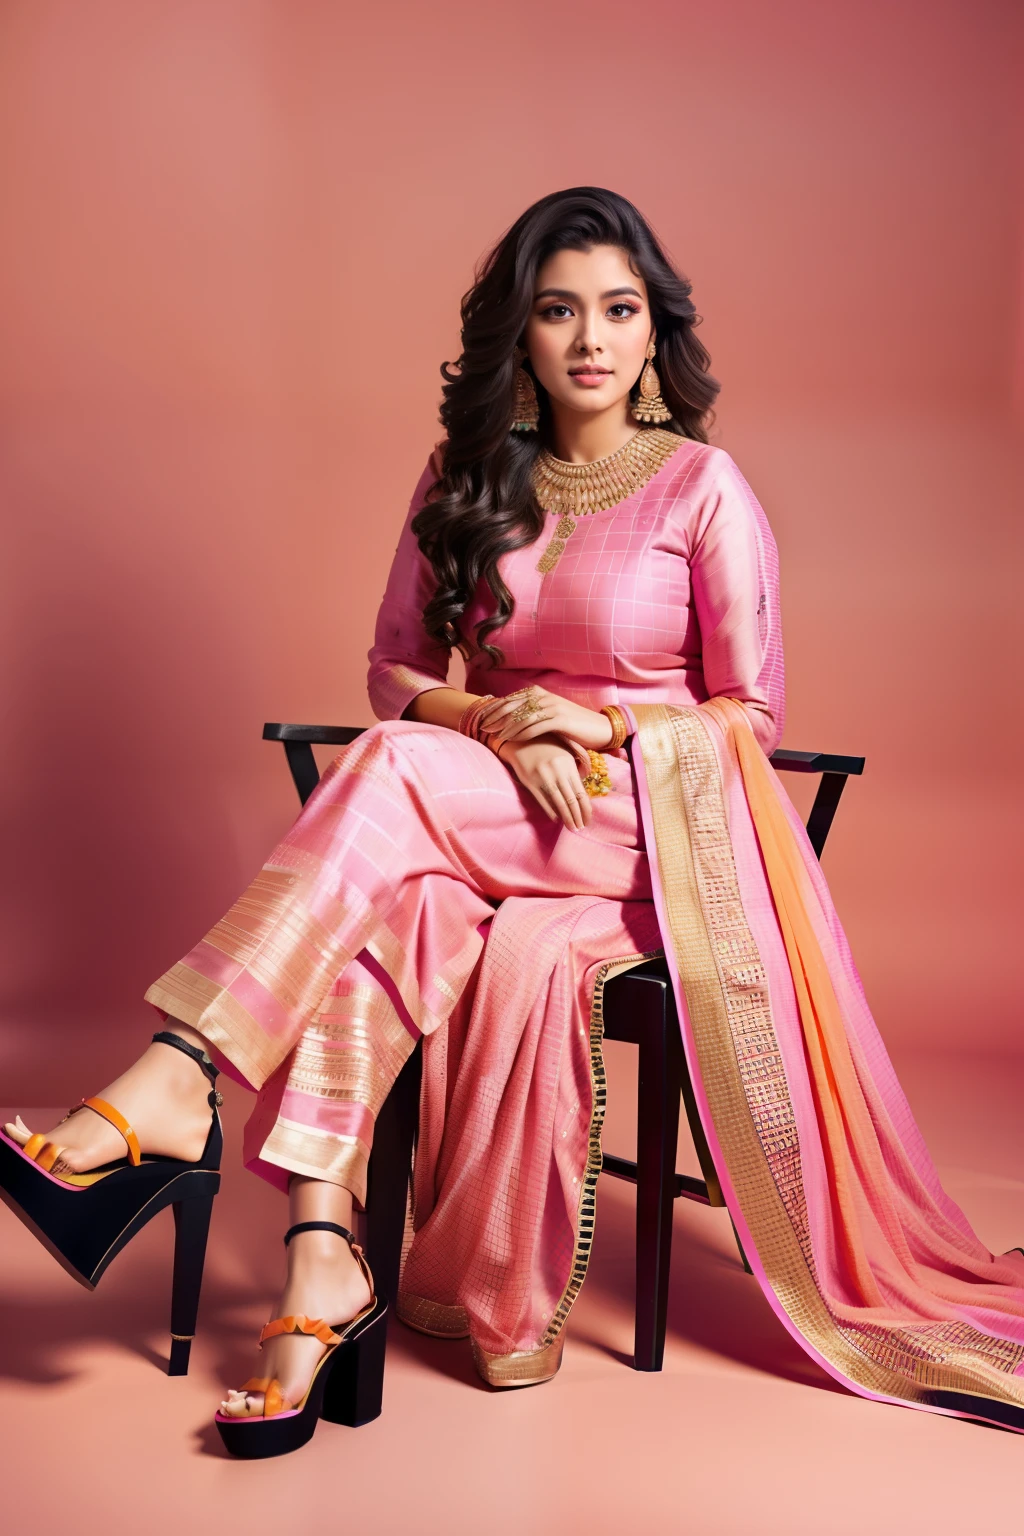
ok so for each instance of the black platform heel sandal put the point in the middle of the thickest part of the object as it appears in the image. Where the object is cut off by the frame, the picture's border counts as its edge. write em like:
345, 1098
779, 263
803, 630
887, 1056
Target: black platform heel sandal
85, 1219
347, 1384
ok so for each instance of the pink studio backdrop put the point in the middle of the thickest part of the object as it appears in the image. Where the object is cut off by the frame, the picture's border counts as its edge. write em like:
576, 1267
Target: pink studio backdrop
236, 235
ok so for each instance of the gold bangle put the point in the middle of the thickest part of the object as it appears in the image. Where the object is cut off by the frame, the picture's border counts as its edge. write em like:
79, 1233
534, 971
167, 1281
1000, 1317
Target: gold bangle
620, 728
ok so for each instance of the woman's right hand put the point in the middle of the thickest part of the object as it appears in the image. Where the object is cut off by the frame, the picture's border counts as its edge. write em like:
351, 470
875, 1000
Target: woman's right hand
549, 770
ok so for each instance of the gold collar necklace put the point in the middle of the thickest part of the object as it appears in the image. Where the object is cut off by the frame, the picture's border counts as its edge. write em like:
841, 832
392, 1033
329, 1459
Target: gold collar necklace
576, 490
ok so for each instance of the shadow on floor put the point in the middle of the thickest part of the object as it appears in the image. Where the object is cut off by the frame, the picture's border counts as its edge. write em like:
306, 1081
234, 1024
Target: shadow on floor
713, 1303
127, 1312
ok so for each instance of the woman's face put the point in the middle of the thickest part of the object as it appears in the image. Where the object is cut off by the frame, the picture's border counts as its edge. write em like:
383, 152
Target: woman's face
588, 333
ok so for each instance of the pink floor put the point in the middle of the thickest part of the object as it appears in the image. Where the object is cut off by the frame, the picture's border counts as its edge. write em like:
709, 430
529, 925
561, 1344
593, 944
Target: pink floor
738, 1434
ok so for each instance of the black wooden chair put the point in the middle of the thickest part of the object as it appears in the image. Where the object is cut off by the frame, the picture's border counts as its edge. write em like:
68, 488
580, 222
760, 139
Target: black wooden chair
640, 1009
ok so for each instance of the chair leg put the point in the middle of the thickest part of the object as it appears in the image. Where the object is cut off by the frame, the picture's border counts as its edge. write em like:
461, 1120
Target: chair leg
658, 1092
739, 1245
394, 1137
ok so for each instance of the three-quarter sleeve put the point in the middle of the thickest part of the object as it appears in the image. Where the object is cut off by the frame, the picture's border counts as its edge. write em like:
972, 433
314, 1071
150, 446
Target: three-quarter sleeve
405, 661
734, 568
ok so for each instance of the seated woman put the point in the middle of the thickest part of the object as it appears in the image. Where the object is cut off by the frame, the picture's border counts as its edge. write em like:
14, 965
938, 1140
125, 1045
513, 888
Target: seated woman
472, 870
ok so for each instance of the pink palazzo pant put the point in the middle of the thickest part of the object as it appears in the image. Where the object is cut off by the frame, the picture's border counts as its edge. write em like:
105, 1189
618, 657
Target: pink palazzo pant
366, 927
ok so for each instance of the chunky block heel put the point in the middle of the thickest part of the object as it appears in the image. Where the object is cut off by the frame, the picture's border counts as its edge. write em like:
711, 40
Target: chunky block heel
346, 1386
355, 1388
85, 1219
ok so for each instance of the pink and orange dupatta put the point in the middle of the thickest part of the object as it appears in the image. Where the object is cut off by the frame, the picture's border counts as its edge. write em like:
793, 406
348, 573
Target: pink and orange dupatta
866, 1260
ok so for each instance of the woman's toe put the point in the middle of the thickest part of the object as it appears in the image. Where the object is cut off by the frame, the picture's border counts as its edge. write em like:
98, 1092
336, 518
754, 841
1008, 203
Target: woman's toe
18, 1131
240, 1405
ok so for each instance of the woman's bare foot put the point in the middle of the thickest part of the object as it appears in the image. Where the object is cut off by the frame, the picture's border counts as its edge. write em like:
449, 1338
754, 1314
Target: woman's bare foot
324, 1281
164, 1096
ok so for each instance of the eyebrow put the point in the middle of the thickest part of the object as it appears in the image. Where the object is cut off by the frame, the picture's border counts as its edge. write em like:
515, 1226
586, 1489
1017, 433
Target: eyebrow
567, 293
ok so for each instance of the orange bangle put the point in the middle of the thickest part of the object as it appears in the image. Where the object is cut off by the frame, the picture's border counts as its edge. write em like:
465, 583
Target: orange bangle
469, 720
620, 728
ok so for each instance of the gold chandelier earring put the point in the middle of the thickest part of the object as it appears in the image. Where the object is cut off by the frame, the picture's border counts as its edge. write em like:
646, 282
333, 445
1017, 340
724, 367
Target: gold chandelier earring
649, 405
526, 411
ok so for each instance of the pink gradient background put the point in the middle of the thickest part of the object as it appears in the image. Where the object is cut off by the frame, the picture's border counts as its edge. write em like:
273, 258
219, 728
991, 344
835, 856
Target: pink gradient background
236, 234
236, 237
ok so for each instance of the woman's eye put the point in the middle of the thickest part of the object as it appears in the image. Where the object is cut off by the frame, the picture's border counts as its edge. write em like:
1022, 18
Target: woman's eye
560, 311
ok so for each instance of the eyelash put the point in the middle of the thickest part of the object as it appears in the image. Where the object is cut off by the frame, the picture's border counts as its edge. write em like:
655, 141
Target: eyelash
549, 313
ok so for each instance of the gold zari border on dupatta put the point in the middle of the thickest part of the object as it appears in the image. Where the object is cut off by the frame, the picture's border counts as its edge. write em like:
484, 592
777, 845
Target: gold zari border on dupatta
586, 1211
528, 1366
523, 1368
726, 993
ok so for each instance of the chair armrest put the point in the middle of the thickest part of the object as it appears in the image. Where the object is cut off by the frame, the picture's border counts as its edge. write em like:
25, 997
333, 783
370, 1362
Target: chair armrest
834, 770
815, 762
298, 742
322, 735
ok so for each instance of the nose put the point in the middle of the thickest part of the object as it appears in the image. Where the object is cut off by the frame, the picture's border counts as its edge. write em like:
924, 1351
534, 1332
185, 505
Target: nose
587, 342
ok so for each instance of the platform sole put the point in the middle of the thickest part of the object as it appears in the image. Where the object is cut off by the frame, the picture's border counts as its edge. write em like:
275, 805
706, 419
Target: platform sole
346, 1389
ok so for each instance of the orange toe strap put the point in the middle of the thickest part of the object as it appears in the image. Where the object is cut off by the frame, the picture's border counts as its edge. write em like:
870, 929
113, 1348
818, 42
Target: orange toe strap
273, 1402
118, 1121
42, 1152
300, 1324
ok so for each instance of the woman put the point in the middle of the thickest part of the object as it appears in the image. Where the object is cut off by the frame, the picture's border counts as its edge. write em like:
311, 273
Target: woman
475, 868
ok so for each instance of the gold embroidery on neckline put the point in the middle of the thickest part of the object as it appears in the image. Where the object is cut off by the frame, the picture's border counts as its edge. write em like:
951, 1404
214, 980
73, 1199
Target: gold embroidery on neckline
577, 490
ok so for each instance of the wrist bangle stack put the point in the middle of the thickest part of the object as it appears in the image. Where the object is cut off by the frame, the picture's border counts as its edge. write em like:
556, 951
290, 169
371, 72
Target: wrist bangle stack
620, 729
469, 724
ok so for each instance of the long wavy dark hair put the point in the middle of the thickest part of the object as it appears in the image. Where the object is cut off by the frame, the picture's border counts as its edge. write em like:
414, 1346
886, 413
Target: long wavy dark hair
483, 504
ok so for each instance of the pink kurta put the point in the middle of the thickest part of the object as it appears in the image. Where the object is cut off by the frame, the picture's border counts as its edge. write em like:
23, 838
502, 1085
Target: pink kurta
669, 597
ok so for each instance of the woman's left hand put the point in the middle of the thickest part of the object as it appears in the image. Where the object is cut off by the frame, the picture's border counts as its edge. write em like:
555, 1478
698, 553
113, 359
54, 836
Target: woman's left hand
542, 713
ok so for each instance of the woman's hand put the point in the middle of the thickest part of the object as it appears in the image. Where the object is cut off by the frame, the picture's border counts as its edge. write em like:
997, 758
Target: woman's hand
550, 772
543, 713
